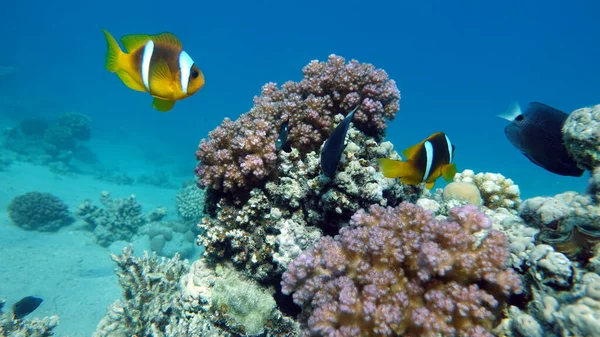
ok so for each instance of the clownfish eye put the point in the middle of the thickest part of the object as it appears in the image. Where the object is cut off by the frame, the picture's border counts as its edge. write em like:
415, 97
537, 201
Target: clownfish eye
195, 73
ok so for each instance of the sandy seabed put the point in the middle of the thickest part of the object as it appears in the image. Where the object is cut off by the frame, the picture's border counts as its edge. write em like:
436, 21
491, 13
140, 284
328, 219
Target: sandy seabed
73, 275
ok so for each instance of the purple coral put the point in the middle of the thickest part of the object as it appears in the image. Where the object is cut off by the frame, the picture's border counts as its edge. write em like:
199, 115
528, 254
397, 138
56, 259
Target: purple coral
239, 155
399, 271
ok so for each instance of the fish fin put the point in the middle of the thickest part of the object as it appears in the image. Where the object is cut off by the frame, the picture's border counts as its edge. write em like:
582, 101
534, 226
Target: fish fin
429, 185
411, 151
134, 41
160, 73
512, 113
168, 38
129, 81
395, 168
449, 171
162, 105
113, 53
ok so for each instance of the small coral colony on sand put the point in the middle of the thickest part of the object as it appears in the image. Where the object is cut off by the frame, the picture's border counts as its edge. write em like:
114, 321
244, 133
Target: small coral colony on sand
157, 64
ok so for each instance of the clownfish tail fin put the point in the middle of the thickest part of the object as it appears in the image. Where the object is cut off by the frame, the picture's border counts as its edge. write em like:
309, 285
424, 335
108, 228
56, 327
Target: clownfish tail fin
394, 168
113, 53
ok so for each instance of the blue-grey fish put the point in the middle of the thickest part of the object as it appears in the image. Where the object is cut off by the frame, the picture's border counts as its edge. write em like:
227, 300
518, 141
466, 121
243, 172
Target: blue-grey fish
334, 146
537, 133
26, 306
281, 142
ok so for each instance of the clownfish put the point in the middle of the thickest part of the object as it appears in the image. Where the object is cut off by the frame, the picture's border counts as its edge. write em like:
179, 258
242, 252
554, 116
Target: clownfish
156, 64
425, 162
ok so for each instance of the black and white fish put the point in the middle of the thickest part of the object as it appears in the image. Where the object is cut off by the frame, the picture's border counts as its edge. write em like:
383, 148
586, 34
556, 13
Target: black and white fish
25, 306
334, 146
537, 133
282, 140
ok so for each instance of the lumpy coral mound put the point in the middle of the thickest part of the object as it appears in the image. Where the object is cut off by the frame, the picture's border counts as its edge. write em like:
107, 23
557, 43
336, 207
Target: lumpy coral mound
39, 211
399, 271
239, 155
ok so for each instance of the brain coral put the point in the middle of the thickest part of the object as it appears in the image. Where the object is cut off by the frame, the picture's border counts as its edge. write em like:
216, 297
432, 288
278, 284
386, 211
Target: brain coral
39, 211
239, 155
401, 272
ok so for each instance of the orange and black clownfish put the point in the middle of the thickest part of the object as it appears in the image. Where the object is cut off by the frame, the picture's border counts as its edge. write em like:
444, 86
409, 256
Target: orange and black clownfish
425, 162
156, 64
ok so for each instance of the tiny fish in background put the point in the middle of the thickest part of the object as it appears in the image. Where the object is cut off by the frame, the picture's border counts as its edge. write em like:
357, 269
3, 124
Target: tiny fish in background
282, 140
156, 64
537, 133
425, 162
26, 306
334, 146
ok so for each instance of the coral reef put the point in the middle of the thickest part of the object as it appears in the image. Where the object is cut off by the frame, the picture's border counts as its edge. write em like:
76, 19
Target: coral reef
150, 288
159, 178
117, 220
566, 299
464, 191
167, 298
581, 134
287, 216
168, 238
37, 141
496, 190
34, 327
79, 125
189, 203
39, 211
399, 271
240, 155
570, 222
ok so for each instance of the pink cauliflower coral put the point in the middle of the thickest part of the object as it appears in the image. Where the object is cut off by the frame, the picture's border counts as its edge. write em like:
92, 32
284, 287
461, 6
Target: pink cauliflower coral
399, 271
239, 155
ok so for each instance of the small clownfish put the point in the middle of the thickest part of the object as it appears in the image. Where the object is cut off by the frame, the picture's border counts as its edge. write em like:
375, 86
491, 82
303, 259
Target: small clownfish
425, 162
156, 64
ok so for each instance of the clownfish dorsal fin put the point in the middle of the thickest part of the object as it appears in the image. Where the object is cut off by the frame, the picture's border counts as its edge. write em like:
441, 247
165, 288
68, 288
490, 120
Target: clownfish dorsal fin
134, 41
168, 38
411, 151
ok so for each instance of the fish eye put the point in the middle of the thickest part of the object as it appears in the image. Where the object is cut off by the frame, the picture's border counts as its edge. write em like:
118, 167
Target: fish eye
519, 118
195, 74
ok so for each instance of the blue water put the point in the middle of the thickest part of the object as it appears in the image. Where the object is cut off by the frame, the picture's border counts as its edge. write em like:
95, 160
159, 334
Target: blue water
456, 63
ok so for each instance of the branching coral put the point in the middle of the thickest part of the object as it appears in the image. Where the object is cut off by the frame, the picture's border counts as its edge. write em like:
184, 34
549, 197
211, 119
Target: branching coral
150, 288
39, 211
117, 220
277, 222
401, 272
34, 327
239, 155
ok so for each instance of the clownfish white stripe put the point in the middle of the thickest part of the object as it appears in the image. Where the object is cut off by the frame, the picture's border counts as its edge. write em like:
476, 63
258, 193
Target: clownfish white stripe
185, 67
449, 149
429, 153
146, 58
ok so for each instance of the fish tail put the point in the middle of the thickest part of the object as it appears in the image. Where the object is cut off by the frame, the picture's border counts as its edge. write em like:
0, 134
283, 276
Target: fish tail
394, 168
113, 53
